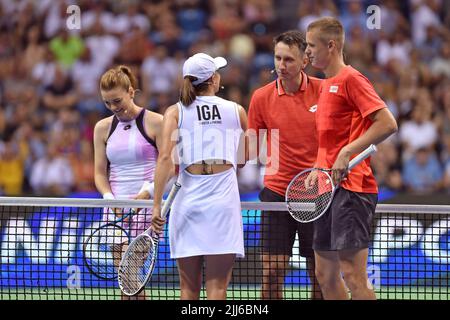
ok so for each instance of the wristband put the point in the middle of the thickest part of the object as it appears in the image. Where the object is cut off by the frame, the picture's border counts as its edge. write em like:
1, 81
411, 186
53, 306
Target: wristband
149, 187
108, 196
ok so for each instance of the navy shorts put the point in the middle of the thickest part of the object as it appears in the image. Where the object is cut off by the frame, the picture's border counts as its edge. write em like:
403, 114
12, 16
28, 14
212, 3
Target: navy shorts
279, 229
347, 224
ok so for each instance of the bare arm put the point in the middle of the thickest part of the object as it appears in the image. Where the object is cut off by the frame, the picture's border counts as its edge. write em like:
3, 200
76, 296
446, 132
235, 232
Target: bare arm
243, 151
158, 139
100, 160
384, 124
164, 165
256, 127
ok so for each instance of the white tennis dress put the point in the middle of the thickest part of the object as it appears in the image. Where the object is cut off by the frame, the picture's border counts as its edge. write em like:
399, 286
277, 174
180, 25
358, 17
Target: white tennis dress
206, 218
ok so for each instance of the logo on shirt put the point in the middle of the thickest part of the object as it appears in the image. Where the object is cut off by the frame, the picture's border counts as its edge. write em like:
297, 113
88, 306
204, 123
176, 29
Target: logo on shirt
127, 127
209, 114
313, 108
334, 89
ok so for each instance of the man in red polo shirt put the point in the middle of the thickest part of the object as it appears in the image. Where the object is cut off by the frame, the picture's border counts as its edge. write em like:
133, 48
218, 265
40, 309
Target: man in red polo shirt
285, 109
350, 116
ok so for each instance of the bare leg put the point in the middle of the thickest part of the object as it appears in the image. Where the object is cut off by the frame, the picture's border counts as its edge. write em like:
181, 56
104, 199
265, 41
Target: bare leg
274, 268
316, 293
329, 276
353, 264
218, 272
190, 270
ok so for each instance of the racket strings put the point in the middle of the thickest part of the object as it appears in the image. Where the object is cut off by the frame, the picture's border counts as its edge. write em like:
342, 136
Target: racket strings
102, 251
137, 264
307, 200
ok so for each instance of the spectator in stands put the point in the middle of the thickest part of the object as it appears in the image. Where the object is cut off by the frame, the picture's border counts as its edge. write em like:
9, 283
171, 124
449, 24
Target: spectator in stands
387, 166
43, 72
135, 46
226, 19
31, 48
52, 175
83, 168
104, 45
61, 93
353, 16
423, 173
440, 64
424, 13
310, 10
35, 49
192, 18
85, 75
395, 47
419, 132
166, 32
12, 162
163, 80
66, 48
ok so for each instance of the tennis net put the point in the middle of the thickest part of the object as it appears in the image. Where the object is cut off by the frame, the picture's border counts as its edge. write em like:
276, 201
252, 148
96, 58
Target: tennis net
42, 256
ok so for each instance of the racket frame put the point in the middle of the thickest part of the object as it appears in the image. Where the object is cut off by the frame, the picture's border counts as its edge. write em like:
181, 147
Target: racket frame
333, 190
154, 240
353, 163
104, 226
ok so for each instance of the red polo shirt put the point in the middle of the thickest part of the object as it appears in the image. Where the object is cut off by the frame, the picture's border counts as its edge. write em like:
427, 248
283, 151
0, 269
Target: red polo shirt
344, 104
294, 118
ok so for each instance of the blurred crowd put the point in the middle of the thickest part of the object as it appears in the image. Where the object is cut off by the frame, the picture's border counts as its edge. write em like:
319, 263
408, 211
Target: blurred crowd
49, 74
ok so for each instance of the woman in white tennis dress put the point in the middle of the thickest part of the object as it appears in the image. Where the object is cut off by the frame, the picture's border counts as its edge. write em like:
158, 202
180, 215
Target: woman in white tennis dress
205, 224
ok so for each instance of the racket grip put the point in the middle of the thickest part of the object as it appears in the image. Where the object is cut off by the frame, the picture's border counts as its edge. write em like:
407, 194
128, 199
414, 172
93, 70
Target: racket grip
362, 156
173, 192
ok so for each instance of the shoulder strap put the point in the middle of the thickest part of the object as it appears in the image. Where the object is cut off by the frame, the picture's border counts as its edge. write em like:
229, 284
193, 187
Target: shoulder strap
114, 124
141, 128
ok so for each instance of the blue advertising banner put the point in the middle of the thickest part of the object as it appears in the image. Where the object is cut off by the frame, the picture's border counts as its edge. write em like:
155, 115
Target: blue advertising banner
44, 249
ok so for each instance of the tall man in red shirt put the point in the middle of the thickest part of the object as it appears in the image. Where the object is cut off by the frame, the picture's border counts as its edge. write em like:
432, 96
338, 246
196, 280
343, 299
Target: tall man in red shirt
285, 108
350, 116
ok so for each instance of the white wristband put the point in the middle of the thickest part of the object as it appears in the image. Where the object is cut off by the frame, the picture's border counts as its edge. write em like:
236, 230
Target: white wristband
108, 196
149, 187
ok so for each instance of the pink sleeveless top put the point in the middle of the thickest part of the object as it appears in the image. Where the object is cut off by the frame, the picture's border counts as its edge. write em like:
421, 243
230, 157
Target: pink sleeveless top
131, 155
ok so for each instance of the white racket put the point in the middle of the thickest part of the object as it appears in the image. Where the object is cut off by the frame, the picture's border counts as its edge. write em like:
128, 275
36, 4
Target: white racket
138, 261
310, 193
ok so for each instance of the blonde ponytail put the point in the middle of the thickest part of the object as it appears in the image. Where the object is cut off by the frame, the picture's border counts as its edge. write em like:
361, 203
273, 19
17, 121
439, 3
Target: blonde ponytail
118, 77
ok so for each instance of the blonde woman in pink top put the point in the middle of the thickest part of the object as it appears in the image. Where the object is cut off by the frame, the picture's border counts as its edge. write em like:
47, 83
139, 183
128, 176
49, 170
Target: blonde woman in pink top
126, 149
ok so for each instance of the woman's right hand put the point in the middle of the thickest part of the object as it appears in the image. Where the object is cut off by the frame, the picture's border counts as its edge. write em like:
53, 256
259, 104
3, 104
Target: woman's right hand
157, 221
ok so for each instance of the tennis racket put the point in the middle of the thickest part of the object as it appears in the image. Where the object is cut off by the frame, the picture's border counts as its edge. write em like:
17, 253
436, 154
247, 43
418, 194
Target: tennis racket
310, 193
102, 249
138, 262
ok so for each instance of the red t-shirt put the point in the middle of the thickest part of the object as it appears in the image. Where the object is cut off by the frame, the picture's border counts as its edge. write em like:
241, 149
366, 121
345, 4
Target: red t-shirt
294, 118
344, 103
